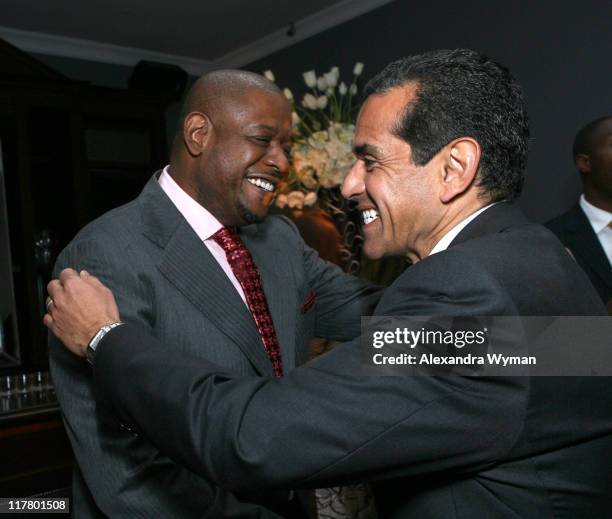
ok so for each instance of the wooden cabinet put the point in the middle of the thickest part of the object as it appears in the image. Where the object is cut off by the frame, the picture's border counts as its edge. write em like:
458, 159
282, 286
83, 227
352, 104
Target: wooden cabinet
70, 152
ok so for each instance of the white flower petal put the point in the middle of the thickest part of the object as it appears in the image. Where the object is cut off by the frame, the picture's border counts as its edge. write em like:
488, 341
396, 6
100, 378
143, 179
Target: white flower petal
269, 75
310, 78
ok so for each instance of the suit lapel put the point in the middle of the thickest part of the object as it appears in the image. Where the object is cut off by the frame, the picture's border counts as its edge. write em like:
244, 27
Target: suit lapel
583, 242
186, 263
278, 286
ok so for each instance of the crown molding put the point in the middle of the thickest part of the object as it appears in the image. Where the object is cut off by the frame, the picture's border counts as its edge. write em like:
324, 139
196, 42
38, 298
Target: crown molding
54, 45
316, 23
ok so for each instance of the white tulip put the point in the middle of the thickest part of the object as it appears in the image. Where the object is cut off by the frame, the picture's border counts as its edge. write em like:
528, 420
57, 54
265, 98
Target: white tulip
342, 89
329, 92
310, 78
269, 75
295, 119
309, 101
321, 83
321, 102
330, 79
336, 72
358, 69
288, 94
353, 89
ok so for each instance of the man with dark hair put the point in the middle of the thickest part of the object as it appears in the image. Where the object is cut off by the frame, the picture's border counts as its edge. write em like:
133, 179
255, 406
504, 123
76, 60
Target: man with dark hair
436, 447
586, 229
194, 262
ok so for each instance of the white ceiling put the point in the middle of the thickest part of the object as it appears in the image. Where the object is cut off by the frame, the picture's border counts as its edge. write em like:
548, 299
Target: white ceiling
195, 34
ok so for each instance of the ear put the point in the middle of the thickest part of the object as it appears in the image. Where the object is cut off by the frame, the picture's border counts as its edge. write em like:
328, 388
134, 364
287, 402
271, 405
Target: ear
583, 162
196, 132
461, 161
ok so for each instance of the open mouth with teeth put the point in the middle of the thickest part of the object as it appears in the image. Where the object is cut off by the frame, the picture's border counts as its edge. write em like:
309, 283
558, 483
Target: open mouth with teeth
262, 184
369, 216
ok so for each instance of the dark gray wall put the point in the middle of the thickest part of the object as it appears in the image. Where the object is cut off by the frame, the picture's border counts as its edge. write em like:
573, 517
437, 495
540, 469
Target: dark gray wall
107, 74
560, 52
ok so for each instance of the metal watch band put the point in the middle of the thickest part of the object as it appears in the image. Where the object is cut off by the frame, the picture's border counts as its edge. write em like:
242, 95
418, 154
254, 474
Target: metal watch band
95, 340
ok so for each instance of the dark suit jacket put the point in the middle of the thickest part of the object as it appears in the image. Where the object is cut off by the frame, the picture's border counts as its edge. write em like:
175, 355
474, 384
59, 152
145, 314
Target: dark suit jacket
575, 232
167, 283
439, 447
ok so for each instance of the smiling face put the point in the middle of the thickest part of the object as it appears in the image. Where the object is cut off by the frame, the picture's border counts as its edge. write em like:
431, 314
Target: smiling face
399, 201
245, 144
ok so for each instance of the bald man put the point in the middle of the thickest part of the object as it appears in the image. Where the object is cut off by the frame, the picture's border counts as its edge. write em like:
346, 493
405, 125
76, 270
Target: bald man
165, 256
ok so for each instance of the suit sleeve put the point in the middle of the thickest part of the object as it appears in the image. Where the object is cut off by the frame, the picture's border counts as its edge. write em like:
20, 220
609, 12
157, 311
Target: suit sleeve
126, 475
325, 422
341, 299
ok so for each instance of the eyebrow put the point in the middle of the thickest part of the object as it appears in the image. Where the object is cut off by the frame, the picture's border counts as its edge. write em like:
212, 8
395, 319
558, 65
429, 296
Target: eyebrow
366, 149
264, 127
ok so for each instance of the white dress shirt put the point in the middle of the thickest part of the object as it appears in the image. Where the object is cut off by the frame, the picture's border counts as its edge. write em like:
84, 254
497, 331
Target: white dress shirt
201, 221
452, 234
600, 221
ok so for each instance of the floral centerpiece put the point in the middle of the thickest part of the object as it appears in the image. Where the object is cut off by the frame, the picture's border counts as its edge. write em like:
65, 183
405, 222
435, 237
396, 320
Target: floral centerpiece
323, 121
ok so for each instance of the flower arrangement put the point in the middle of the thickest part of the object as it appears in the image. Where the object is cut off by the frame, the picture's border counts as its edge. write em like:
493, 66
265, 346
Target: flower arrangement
321, 154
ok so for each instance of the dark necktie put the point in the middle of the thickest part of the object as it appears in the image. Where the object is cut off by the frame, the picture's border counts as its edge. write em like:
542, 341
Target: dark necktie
245, 270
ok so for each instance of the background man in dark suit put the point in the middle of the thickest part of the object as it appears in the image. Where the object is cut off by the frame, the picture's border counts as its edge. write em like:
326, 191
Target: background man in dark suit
441, 144
172, 278
586, 229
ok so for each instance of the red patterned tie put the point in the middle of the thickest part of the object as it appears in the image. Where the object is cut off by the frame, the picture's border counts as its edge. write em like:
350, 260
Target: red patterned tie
245, 270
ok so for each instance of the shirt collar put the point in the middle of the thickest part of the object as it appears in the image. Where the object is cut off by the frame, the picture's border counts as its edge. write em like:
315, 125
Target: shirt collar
452, 234
201, 221
599, 218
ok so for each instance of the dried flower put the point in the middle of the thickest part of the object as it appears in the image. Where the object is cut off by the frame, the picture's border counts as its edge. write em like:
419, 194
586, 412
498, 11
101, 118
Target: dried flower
295, 200
281, 201
310, 199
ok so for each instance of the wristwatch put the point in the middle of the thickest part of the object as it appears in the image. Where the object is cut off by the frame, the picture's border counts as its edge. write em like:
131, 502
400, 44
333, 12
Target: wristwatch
93, 344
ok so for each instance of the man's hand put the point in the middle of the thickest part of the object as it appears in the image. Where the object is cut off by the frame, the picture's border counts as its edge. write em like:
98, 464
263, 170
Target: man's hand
77, 307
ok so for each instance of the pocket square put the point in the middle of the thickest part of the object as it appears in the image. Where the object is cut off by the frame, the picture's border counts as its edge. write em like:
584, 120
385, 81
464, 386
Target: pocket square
309, 302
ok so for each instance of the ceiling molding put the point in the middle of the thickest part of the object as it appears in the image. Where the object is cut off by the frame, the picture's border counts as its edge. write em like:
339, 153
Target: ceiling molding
316, 23
54, 45
50, 44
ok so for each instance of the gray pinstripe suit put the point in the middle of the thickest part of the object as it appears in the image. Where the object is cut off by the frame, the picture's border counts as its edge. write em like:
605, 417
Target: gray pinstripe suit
166, 281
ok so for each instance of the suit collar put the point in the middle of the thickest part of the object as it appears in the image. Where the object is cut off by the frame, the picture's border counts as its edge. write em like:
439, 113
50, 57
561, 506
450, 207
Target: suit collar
160, 217
495, 219
583, 242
